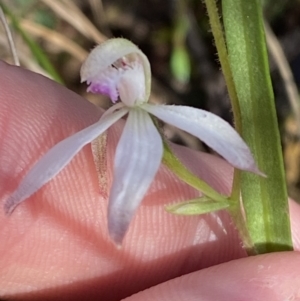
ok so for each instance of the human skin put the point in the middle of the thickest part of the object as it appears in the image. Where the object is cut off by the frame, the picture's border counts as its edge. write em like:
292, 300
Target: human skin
55, 245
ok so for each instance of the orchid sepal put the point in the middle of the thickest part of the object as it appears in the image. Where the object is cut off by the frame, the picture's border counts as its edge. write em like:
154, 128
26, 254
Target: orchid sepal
211, 129
57, 158
132, 172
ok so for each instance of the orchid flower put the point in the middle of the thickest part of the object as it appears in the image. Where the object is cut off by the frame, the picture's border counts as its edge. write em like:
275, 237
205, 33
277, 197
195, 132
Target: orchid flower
118, 69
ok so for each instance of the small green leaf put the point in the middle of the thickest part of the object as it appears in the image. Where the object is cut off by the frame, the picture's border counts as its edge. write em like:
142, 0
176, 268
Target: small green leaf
179, 169
197, 206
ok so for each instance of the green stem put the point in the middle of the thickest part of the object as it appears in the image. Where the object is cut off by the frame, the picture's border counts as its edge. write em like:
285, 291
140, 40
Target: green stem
264, 199
239, 222
217, 31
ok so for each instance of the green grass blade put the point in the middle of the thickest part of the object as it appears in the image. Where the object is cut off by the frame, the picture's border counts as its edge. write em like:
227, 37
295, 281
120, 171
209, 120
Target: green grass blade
37, 52
265, 199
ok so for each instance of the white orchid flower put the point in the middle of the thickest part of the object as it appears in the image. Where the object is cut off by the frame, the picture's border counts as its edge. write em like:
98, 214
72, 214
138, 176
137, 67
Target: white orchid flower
117, 68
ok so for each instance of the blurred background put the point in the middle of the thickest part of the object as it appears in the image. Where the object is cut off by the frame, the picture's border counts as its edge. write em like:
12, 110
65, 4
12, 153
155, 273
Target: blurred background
53, 37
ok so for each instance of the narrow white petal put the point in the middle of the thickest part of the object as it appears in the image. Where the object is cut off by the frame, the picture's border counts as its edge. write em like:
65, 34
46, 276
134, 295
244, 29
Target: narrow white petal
211, 129
57, 158
137, 160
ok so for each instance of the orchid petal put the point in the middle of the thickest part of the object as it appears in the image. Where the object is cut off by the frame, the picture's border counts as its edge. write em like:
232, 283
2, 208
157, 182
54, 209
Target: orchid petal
57, 158
106, 83
137, 160
211, 129
108, 53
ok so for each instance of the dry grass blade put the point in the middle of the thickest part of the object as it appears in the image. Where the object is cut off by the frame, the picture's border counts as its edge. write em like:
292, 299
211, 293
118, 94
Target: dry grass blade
285, 72
71, 14
97, 10
25, 58
61, 41
9, 38
99, 14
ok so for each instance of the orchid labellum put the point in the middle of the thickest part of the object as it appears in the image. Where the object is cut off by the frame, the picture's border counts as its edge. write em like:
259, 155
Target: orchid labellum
118, 69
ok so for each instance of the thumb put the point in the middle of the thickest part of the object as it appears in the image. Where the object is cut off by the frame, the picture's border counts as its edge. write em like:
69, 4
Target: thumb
270, 277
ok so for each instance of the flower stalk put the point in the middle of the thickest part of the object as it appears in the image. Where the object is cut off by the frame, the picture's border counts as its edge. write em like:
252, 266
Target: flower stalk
235, 209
